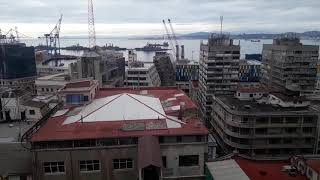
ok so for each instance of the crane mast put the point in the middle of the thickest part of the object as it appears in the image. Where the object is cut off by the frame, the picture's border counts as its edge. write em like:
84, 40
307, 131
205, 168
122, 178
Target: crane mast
91, 26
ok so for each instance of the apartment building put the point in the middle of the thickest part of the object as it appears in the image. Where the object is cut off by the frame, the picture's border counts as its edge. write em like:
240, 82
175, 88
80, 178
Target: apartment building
142, 74
218, 70
289, 64
265, 124
125, 133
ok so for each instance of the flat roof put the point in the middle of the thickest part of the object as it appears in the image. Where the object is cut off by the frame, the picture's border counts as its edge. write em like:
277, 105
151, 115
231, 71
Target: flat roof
226, 170
125, 112
242, 105
9, 131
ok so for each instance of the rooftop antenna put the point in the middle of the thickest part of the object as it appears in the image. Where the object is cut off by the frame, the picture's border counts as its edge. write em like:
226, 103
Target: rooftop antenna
91, 27
221, 24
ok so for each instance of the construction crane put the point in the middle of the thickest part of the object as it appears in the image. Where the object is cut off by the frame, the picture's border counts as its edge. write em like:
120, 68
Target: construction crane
53, 38
169, 38
176, 43
91, 27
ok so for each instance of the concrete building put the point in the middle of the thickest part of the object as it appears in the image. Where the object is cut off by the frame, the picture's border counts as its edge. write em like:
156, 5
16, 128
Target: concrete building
289, 64
108, 67
79, 92
46, 70
186, 71
149, 133
165, 68
218, 71
19, 105
318, 77
265, 124
142, 74
50, 85
17, 66
16, 161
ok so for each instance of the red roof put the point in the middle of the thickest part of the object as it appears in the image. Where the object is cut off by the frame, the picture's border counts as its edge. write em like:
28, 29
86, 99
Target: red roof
54, 130
86, 83
314, 164
266, 170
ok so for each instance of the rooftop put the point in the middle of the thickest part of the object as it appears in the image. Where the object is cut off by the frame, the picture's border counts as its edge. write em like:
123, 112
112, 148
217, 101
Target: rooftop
226, 170
9, 131
125, 112
250, 62
80, 85
249, 106
266, 170
314, 164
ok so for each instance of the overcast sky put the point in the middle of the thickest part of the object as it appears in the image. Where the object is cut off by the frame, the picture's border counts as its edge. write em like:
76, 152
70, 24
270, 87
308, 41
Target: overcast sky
144, 17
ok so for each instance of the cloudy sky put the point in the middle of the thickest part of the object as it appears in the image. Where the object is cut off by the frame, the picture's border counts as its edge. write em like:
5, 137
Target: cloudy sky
144, 17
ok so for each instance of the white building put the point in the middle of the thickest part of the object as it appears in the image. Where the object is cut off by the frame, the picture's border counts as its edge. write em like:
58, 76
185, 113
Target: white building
140, 74
50, 85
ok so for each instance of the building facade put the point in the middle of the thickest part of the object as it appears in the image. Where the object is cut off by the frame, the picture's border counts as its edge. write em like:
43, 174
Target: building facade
150, 134
289, 64
165, 68
218, 70
249, 71
17, 66
258, 124
108, 67
186, 71
142, 74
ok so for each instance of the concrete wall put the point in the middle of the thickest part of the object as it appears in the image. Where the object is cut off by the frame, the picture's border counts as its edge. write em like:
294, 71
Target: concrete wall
172, 152
106, 156
36, 116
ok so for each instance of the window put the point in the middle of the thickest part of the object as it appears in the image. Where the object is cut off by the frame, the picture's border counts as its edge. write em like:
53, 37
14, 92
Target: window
189, 160
89, 165
32, 112
122, 164
164, 161
310, 172
53, 167
86, 98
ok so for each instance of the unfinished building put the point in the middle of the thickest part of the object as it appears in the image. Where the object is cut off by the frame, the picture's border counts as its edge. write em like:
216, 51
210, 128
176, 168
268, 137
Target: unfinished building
288, 64
218, 71
165, 68
108, 67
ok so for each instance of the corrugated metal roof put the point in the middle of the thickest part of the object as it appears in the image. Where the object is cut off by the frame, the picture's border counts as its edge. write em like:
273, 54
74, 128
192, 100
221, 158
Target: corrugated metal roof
120, 107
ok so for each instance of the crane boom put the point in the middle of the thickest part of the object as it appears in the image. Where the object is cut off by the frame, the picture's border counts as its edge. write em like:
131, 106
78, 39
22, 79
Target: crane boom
175, 39
173, 33
169, 37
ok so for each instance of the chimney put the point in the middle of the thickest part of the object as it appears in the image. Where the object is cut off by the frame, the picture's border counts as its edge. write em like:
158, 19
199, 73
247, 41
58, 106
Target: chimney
182, 51
177, 52
181, 111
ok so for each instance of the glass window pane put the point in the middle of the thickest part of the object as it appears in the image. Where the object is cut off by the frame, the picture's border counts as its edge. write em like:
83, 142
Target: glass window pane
129, 164
115, 165
96, 167
90, 167
122, 165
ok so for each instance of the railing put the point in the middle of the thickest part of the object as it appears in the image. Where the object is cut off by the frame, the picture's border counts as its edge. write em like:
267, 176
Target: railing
28, 134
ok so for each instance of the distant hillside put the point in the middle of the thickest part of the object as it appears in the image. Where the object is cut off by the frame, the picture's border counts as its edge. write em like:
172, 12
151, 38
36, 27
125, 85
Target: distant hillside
205, 35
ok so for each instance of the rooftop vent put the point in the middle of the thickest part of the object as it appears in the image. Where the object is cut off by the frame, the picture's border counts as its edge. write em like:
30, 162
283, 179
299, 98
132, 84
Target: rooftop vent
247, 107
263, 173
